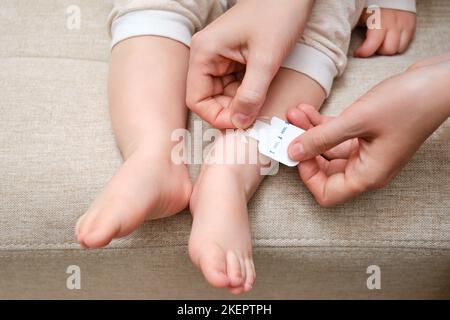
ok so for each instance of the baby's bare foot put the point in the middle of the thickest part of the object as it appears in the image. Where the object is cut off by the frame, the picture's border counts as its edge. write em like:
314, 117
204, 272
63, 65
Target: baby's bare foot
145, 187
220, 243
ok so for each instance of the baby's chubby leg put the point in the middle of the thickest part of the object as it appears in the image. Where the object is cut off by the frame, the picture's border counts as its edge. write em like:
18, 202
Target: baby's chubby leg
220, 243
147, 102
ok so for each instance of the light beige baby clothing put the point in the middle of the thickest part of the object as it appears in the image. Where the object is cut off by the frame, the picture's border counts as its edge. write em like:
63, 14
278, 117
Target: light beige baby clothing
321, 53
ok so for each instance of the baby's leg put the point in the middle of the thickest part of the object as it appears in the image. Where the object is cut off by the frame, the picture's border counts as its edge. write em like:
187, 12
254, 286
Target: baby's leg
220, 244
147, 102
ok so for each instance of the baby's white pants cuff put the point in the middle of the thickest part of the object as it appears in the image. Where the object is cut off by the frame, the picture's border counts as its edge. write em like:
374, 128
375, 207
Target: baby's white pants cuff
303, 58
152, 23
405, 5
314, 63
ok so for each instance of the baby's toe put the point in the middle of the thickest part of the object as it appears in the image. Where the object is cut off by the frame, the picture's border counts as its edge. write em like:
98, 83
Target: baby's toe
235, 269
250, 275
85, 226
79, 225
236, 291
100, 237
213, 265
97, 229
79, 236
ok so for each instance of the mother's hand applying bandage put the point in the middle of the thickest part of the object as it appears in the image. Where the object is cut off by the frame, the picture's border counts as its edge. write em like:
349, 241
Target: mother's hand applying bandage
370, 142
235, 58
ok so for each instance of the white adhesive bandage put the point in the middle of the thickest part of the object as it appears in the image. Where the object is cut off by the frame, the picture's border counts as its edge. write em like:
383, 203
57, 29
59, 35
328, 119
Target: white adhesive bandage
274, 139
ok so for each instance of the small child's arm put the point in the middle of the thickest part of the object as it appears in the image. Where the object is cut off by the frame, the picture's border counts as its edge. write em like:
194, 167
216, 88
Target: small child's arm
390, 27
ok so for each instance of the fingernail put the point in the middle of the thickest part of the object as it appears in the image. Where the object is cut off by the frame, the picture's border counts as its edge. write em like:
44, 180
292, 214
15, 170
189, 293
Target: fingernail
297, 151
241, 120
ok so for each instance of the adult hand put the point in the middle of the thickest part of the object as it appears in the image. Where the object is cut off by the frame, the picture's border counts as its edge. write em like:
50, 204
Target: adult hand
235, 58
369, 143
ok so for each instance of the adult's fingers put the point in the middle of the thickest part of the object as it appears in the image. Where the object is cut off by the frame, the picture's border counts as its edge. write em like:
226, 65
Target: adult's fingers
306, 117
374, 40
314, 116
206, 103
299, 118
331, 167
205, 90
326, 136
261, 68
328, 190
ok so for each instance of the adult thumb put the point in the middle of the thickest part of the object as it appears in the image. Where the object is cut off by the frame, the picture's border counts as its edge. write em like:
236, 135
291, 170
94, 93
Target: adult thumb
251, 95
322, 138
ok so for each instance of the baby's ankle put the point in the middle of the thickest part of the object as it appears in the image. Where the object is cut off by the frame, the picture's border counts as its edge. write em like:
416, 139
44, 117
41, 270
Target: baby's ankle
235, 157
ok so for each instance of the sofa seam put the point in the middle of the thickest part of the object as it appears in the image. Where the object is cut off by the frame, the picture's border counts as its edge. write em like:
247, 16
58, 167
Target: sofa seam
342, 252
55, 58
257, 239
307, 243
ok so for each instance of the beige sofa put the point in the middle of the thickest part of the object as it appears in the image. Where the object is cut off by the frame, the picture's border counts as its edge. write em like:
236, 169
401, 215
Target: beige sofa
57, 151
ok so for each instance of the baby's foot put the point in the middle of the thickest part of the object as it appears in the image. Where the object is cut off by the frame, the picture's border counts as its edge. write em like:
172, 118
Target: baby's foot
220, 243
145, 187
